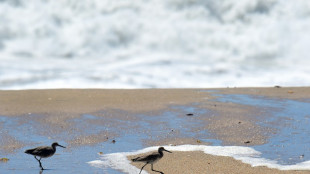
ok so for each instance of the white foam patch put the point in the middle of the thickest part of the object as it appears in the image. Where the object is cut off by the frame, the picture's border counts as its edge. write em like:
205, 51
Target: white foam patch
119, 161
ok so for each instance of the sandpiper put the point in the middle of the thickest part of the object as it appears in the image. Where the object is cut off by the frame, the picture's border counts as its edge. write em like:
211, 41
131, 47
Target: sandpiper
151, 159
43, 152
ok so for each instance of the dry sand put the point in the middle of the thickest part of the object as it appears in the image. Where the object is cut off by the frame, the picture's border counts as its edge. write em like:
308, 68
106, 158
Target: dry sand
76, 101
52, 107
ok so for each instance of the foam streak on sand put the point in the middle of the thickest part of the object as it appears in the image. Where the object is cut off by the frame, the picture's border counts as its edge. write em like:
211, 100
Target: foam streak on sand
247, 155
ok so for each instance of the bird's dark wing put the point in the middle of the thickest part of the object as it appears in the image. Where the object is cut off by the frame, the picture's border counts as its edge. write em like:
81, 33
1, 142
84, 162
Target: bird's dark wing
147, 158
37, 150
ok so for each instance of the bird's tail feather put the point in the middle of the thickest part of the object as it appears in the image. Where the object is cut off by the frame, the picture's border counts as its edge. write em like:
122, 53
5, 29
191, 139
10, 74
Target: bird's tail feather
135, 159
29, 151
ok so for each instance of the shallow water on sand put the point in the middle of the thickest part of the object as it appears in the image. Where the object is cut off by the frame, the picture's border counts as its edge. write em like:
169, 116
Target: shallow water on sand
289, 145
290, 118
131, 135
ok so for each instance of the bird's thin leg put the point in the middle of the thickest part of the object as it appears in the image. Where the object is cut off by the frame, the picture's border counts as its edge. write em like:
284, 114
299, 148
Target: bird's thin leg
156, 170
41, 164
143, 167
39, 160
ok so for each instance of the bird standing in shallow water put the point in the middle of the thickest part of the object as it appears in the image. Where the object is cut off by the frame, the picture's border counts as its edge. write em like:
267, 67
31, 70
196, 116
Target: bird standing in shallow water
151, 159
43, 152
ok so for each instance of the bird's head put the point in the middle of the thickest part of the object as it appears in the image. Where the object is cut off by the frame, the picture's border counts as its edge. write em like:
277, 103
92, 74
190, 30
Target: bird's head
56, 144
163, 149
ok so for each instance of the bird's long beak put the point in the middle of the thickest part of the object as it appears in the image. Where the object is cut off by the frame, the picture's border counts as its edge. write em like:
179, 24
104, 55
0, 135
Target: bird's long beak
61, 146
167, 151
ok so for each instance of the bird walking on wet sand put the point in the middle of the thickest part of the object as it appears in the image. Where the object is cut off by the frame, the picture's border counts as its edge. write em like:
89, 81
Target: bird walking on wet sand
43, 152
151, 159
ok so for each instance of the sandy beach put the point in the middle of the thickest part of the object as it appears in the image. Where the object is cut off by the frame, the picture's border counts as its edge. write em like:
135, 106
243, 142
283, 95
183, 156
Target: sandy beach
92, 117
199, 162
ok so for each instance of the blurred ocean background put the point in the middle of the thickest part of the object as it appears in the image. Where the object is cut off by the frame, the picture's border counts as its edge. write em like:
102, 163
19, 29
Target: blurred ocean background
154, 43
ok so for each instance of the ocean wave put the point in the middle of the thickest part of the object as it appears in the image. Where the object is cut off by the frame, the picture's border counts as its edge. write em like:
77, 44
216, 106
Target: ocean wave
156, 43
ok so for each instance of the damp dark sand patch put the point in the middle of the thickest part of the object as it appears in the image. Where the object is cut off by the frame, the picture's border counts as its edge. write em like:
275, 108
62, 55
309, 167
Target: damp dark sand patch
10, 145
158, 126
236, 124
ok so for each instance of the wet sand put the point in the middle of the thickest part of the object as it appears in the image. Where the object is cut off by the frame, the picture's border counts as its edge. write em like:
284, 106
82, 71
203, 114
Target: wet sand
63, 110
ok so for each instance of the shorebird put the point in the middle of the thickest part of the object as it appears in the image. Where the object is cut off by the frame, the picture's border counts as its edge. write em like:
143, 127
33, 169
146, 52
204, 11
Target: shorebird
151, 159
43, 152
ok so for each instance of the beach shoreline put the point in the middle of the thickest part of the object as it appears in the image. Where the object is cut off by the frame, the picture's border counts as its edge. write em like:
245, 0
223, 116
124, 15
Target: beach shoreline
66, 115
